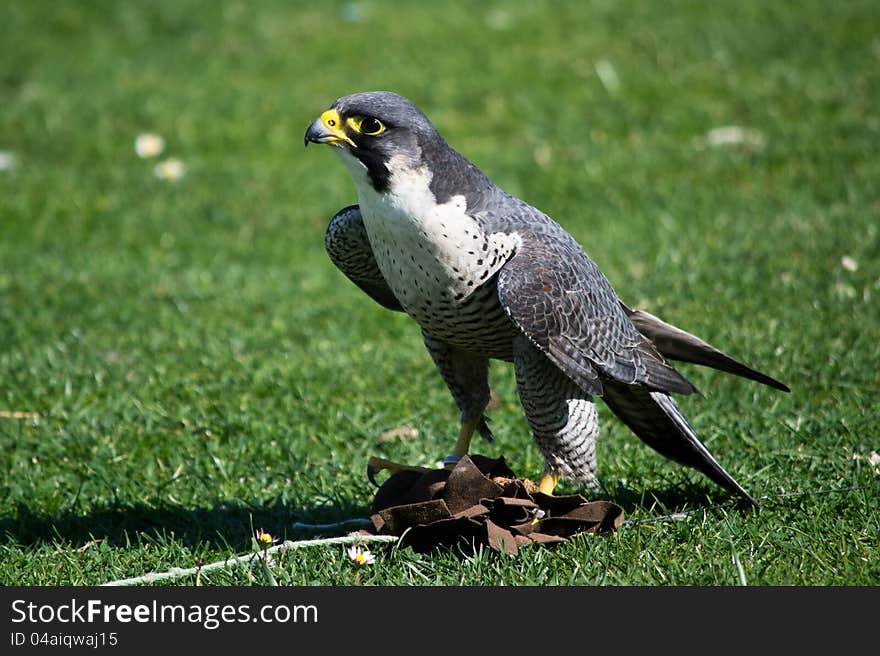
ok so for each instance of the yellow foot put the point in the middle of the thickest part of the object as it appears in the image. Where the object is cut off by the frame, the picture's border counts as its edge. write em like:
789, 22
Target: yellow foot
548, 482
461, 448
375, 464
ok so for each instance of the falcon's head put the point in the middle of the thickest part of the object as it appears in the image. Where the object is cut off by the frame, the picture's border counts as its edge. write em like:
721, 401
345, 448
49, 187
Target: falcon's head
376, 130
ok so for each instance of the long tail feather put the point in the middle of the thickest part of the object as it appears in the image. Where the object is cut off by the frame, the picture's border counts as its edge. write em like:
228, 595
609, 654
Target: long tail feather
676, 344
657, 420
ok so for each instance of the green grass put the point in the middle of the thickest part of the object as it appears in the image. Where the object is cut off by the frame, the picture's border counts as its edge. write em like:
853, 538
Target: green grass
196, 368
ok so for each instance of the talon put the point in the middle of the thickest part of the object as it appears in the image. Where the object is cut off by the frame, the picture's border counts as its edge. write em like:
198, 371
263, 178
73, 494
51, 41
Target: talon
375, 464
548, 482
371, 473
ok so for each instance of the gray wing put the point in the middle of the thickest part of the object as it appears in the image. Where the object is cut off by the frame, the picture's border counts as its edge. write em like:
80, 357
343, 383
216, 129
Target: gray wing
561, 300
565, 305
349, 249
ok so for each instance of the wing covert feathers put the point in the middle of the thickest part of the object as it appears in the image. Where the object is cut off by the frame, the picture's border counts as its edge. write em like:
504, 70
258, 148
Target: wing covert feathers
567, 308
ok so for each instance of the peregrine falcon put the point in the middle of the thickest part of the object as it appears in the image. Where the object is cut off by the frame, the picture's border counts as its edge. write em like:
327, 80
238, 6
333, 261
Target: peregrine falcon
487, 276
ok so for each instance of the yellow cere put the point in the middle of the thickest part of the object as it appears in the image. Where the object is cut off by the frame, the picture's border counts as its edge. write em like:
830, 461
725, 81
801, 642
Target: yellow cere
333, 122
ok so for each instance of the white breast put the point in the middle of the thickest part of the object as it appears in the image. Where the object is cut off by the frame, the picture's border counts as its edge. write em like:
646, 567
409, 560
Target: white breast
429, 253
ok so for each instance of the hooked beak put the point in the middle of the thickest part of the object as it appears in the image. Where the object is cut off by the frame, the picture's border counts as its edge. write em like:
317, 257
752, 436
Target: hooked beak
328, 128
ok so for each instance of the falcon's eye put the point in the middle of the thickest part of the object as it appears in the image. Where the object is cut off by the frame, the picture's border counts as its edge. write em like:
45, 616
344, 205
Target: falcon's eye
371, 126
367, 125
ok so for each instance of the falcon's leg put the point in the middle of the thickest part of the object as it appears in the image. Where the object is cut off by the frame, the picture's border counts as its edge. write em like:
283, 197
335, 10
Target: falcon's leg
562, 417
467, 377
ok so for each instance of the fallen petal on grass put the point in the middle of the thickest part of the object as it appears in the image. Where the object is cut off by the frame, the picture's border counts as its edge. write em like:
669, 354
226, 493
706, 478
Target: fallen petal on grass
607, 76
403, 432
732, 135
18, 414
499, 20
8, 160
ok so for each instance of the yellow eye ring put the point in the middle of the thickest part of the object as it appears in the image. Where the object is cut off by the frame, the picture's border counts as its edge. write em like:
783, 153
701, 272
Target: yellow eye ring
367, 125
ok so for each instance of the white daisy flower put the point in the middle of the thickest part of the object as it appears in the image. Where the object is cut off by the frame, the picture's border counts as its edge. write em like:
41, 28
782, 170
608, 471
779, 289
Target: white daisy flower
360, 555
170, 169
849, 263
148, 145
